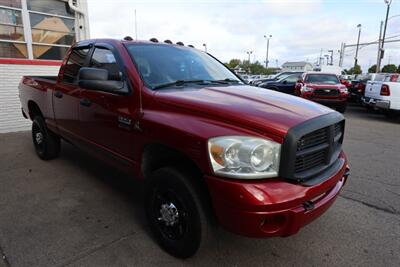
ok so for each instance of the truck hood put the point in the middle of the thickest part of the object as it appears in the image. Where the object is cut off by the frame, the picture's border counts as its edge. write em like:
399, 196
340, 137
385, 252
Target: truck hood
244, 106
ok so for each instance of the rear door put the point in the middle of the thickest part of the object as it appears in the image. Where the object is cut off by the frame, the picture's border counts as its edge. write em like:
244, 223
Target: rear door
67, 93
105, 117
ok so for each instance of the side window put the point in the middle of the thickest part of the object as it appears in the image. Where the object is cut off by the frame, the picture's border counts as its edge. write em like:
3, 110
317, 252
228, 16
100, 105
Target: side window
292, 79
75, 61
104, 59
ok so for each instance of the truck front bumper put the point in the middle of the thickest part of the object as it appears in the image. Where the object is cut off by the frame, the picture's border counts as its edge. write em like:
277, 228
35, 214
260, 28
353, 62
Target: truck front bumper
272, 207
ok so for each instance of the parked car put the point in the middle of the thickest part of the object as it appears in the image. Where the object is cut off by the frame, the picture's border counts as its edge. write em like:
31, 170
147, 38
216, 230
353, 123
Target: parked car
284, 85
324, 88
357, 87
208, 147
385, 95
276, 77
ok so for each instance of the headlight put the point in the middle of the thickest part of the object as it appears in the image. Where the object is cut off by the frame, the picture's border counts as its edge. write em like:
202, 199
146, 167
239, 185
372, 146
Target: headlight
306, 89
244, 157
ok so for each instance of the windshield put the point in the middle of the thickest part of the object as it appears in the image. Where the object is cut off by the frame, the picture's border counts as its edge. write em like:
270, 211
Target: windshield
322, 78
165, 64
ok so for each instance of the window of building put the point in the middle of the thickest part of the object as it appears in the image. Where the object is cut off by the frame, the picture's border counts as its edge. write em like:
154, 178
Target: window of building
47, 31
11, 3
75, 62
104, 59
12, 39
51, 7
13, 50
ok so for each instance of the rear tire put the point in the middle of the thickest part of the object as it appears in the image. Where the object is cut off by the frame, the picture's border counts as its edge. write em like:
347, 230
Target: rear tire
47, 144
176, 212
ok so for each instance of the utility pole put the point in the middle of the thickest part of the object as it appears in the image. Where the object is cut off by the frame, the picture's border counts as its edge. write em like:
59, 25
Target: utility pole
358, 44
327, 59
382, 51
266, 57
331, 51
378, 60
341, 56
320, 58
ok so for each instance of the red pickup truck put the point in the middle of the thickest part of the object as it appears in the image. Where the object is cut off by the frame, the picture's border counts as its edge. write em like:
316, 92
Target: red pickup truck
324, 88
209, 147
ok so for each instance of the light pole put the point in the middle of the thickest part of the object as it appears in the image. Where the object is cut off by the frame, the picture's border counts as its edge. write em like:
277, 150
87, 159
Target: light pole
266, 56
205, 47
358, 44
381, 50
249, 53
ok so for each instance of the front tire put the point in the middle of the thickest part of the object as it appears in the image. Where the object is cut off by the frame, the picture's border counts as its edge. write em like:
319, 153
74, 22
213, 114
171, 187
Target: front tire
176, 214
47, 144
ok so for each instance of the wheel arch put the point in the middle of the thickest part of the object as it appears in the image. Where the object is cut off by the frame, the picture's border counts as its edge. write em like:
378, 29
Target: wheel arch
158, 155
34, 110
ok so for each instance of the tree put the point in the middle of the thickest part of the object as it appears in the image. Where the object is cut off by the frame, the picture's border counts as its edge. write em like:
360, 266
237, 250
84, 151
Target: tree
398, 69
372, 69
389, 68
257, 68
233, 63
355, 70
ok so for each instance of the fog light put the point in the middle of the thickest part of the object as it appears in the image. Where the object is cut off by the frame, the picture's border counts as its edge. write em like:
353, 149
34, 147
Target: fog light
273, 224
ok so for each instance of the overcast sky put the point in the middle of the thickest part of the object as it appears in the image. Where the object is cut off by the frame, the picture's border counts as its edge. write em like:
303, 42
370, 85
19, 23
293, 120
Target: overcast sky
299, 28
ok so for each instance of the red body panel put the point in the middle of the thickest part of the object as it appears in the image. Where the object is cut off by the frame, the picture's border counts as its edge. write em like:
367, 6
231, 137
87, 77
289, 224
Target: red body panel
184, 120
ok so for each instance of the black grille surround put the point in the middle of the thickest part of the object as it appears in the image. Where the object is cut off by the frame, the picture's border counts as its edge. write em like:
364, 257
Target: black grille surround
326, 92
310, 152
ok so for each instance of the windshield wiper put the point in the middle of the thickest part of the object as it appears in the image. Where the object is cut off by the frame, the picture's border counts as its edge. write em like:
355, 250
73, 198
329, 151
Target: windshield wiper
183, 82
178, 83
229, 80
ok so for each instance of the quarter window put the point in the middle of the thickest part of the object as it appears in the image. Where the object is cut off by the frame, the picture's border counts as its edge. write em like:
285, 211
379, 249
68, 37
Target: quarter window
75, 62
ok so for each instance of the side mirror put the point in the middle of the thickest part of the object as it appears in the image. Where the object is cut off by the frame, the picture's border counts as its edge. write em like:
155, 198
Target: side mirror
97, 79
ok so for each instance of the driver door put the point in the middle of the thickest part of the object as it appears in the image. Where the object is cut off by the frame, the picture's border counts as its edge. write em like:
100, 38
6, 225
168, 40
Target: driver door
105, 117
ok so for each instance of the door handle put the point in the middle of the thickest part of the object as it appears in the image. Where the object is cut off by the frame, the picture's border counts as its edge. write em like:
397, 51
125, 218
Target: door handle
85, 102
58, 94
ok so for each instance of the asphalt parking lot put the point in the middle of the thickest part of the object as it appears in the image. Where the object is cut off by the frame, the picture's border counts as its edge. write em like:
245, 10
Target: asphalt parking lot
76, 211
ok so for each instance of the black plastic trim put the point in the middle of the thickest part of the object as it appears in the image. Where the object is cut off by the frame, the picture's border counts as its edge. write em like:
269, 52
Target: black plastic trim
328, 173
289, 146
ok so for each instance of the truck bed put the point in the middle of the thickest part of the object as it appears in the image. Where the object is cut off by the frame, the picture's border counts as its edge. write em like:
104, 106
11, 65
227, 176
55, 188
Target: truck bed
38, 89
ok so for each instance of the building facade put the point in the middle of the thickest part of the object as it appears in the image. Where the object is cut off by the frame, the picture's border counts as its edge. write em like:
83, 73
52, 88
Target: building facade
34, 37
297, 66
